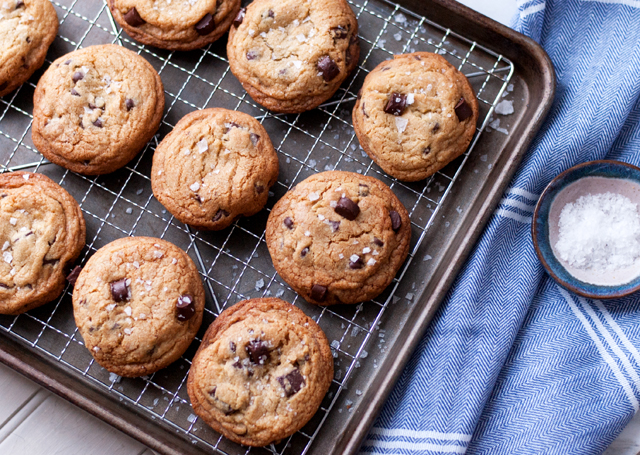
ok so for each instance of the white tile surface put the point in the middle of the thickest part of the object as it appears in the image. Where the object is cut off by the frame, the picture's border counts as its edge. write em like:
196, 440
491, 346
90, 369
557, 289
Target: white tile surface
35, 422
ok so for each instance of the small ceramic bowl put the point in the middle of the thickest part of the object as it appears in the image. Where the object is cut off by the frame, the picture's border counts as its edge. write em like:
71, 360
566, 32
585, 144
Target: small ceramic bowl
592, 177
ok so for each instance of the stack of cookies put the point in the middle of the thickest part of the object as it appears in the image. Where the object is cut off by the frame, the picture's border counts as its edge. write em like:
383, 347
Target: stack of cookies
263, 366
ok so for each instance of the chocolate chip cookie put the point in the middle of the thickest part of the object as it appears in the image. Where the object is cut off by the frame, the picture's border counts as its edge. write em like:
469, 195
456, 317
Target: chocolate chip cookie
215, 166
27, 29
177, 25
261, 372
415, 114
42, 231
338, 237
292, 55
138, 304
95, 108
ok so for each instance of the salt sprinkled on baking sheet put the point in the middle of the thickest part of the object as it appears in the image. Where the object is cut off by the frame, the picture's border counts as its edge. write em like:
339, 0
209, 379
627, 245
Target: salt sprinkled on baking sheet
504, 107
599, 231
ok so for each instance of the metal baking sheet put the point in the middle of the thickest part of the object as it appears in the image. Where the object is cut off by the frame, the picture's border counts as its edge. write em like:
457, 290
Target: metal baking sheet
371, 342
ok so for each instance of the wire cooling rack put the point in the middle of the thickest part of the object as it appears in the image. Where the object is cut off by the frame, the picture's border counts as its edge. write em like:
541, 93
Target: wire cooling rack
235, 263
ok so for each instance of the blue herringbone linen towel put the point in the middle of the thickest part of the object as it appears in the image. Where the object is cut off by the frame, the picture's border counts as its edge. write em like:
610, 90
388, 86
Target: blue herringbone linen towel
513, 364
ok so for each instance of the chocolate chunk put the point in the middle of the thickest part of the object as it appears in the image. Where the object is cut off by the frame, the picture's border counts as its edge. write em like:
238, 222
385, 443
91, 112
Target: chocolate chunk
132, 18
335, 225
120, 291
68, 62
219, 214
292, 382
378, 242
259, 189
77, 76
92, 106
3, 86
396, 104
363, 190
304, 251
436, 127
254, 139
185, 308
73, 276
28, 40
271, 14
339, 32
74, 92
237, 365
347, 208
98, 123
463, 110
240, 17
318, 292
258, 351
19, 4
252, 55
417, 57
206, 25
364, 111
4, 286
129, 104
328, 67
4, 196
212, 392
357, 264
232, 346
396, 220
288, 222
426, 150
228, 126
28, 234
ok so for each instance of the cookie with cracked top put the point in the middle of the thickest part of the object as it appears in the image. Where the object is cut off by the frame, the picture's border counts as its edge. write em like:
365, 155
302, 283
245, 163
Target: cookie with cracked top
292, 55
138, 304
27, 29
415, 114
215, 166
42, 231
177, 25
261, 372
95, 108
338, 237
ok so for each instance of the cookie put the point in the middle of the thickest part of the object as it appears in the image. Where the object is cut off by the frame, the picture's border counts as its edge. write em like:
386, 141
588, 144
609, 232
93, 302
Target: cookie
338, 237
415, 114
27, 29
215, 166
138, 304
175, 25
292, 55
42, 231
95, 108
261, 372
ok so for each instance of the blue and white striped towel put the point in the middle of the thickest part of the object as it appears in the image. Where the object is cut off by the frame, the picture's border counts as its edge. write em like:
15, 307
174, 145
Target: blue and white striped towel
513, 364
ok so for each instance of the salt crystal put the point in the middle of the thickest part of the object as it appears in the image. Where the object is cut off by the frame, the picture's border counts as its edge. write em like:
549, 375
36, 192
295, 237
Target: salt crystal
279, 293
127, 311
371, 262
358, 392
410, 98
483, 158
409, 296
321, 217
341, 256
307, 233
397, 36
203, 146
400, 18
354, 258
297, 64
314, 196
427, 257
192, 418
195, 186
259, 284
114, 377
129, 211
300, 37
8, 257
96, 349
6, 245
366, 250
364, 354
333, 204
335, 344
25, 176
128, 331
504, 107
401, 124
111, 306
13, 221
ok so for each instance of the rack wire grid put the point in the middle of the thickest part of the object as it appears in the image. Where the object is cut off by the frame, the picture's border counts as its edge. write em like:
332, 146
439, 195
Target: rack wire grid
235, 263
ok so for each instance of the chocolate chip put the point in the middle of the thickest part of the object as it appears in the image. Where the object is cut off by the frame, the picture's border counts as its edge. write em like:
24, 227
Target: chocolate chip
74, 92
28, 234
4, 286
364, 111
240, 17
28, 41
206, 25
98, 123
292, 382
357, 264
254, 139
129, 104
396, 104
378, 242
347, 208
77, 76
271, 14
396, 220
258, 351
228, 126
386, 68
3, 86
252, 55
426, 150
288, 222
363, 190
219, 214
237, 365
28, 286
436, 127
339, 32
185, 307
212, 392
259, 189
463, 110
232, 346
92, 106
4, 196
328, 67
68, 62
19, 4
335, 225
318, 292
73, 276
132, 18
304, 251
120, 291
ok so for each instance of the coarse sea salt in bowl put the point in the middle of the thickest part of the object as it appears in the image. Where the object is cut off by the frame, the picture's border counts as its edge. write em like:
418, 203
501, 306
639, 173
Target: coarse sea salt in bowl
586, 229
